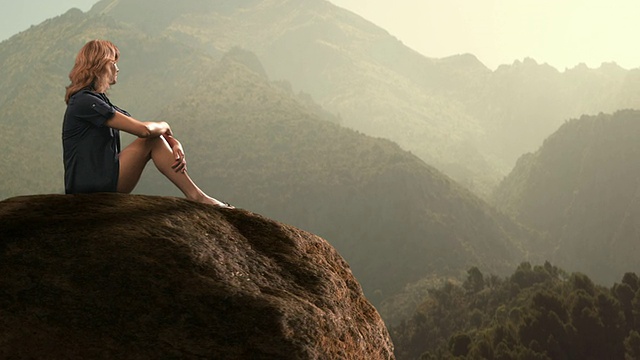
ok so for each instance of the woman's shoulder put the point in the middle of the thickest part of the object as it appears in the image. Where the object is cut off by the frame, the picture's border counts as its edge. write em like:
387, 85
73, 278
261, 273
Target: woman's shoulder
86, 95
86, 92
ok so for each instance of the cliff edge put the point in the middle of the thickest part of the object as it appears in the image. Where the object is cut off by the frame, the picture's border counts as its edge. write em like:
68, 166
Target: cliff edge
107, 276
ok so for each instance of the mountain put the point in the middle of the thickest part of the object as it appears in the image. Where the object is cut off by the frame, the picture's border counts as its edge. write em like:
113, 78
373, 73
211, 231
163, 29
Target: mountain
348, 65
582, 188
453, 113
525, 102
260, 146
162, 278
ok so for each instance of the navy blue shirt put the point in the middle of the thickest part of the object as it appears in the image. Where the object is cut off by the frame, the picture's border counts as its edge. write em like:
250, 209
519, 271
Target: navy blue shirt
90, 148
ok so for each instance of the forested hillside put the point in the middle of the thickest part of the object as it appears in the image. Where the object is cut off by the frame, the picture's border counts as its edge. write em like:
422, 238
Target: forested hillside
582, 188
539, 312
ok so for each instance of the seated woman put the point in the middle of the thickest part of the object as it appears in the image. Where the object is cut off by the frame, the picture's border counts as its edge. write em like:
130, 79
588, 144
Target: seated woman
93, 161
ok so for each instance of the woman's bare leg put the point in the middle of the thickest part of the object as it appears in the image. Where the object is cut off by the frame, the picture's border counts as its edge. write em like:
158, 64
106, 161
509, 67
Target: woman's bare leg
134, 158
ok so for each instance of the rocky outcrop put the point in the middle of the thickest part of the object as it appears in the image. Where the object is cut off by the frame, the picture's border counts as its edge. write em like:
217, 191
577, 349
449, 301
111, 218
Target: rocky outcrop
108, 276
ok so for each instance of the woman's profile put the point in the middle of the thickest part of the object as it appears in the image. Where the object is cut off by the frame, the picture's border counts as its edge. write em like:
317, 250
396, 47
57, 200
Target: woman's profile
93, 159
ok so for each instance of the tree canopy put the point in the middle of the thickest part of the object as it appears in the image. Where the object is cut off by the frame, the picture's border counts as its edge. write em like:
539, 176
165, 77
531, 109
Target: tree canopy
538, 312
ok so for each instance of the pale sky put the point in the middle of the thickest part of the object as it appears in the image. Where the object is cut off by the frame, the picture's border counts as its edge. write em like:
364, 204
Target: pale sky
562, 33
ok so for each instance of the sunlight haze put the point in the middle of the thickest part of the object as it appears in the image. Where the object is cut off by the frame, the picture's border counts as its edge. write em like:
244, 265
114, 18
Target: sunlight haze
562, 34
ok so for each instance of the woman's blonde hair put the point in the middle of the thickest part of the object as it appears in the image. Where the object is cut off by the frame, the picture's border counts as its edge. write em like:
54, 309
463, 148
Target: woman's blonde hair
91, 67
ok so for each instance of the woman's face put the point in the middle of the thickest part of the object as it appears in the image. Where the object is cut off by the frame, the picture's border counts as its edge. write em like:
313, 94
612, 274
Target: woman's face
113, 73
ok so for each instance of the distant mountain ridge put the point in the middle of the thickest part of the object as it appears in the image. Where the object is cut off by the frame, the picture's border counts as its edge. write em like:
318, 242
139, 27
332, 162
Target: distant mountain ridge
582, 188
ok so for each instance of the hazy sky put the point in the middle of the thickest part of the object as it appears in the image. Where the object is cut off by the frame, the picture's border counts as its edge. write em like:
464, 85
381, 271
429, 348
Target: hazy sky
562, 33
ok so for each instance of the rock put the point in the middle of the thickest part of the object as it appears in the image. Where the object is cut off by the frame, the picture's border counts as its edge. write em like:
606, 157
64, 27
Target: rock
110, 276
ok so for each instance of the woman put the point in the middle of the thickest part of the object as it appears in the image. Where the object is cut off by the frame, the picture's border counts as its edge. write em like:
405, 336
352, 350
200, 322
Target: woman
93, 161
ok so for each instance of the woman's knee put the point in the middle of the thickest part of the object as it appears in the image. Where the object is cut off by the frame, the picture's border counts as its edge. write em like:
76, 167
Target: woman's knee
144, 146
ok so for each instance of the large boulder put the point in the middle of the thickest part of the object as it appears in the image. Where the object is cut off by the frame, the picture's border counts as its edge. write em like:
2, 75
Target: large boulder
108, 276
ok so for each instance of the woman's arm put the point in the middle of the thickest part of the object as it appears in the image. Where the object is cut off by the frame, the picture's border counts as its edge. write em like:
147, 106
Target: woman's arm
138, 128
149, 130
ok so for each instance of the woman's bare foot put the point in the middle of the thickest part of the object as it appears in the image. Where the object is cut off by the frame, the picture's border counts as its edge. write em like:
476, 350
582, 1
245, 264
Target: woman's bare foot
206, 199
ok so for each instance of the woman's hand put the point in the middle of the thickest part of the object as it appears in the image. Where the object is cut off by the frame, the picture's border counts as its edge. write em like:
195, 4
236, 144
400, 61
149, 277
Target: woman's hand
180, 165
158, 128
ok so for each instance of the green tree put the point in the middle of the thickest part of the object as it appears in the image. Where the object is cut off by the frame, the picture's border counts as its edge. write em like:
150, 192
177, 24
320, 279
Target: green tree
632, 280
613, 322
459, 344
582, 282
475, 280
625, 294
589, 328
632, 346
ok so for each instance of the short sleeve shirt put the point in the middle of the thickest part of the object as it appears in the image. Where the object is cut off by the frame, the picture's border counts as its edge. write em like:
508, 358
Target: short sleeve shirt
90, 148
